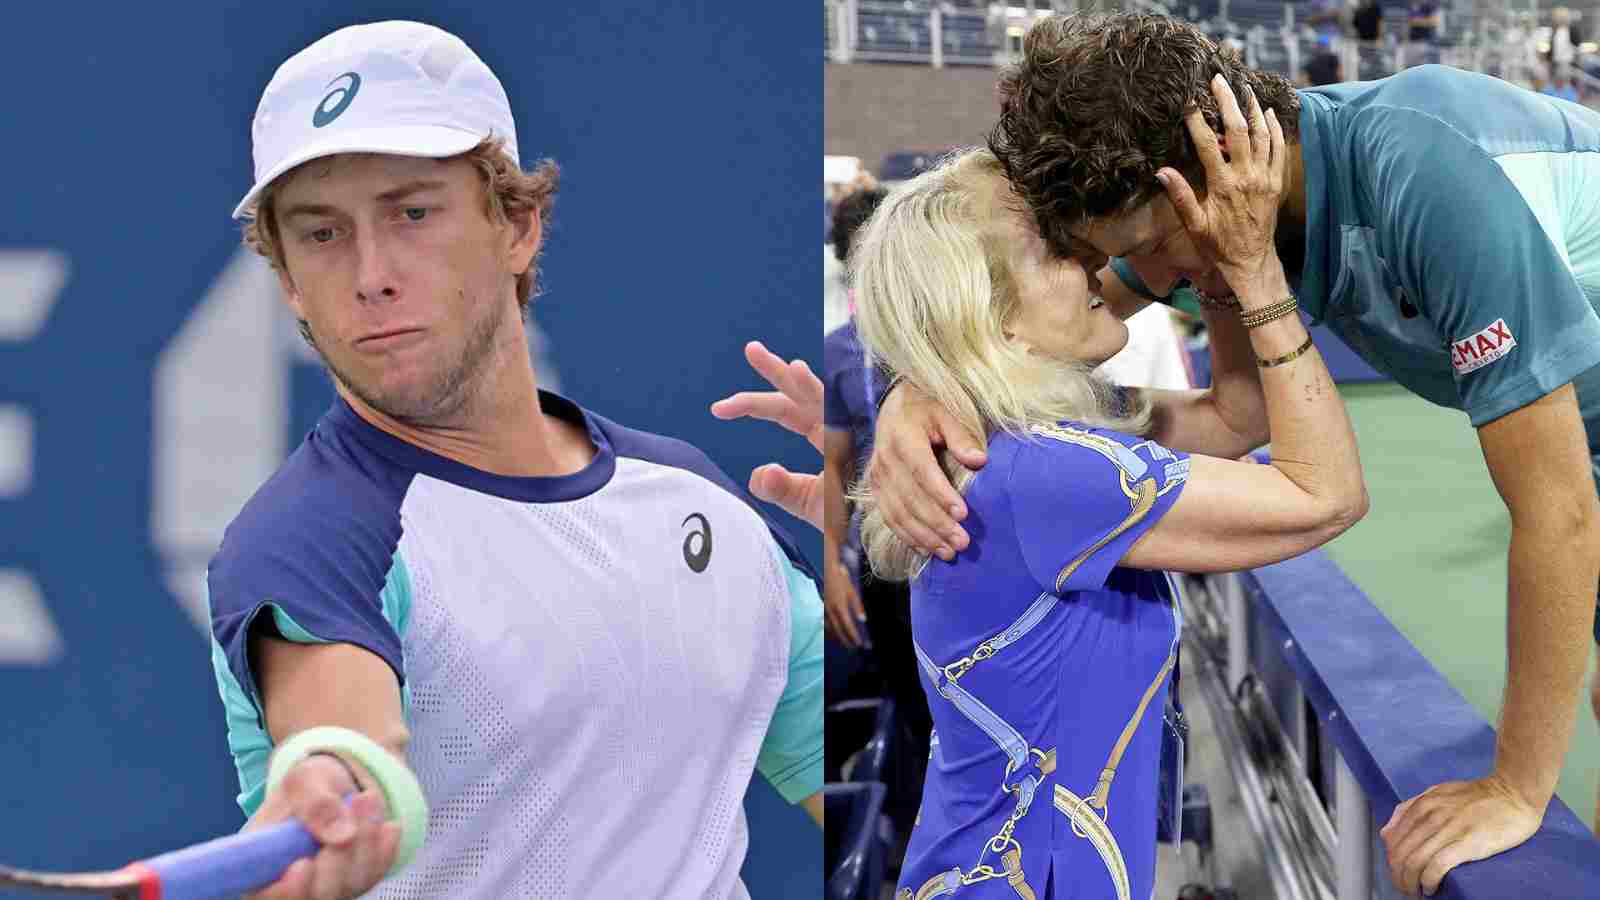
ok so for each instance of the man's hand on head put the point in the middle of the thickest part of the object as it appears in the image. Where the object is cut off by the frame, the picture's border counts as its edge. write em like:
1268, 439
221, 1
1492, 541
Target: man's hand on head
918, 502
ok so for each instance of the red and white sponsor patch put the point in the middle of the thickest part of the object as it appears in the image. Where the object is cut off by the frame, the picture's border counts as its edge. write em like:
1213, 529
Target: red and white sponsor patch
1473, 352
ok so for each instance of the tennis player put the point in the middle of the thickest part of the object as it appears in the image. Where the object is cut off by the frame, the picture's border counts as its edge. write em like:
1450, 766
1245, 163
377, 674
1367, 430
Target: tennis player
582, 638
1446, 225
1045, 649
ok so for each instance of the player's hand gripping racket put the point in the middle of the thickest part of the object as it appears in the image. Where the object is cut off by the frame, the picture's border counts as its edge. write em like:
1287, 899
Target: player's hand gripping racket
251, 860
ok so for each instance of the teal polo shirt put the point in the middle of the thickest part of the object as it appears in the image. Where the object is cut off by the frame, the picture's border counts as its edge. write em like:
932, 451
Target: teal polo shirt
1453, 236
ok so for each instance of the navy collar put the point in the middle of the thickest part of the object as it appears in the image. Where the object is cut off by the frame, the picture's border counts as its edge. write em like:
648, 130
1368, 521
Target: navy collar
344, 420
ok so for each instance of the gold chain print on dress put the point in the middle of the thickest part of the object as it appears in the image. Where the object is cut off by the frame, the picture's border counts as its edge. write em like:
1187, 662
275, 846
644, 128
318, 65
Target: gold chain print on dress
1086, 814
1003, 846
1085, 823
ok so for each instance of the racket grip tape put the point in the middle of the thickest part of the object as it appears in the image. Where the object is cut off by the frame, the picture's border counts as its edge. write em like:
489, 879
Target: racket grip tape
250, 860
228, 866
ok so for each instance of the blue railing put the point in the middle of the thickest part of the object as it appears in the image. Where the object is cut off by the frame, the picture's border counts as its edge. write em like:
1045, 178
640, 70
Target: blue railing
1389, 722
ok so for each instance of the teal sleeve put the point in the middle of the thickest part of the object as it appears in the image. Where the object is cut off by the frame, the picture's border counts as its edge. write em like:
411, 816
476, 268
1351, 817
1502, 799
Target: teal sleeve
248, 741
791, 755
1468, 236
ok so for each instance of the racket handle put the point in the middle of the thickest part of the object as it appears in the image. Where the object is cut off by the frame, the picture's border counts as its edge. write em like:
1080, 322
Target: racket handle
232, 865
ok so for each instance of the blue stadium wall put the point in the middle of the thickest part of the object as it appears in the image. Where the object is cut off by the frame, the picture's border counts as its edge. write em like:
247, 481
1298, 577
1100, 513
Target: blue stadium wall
149, 378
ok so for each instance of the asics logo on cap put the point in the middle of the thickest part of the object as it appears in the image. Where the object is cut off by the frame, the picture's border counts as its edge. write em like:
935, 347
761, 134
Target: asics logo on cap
346, 93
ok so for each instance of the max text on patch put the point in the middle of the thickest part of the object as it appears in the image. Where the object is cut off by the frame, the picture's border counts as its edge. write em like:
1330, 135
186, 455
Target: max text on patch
1478, 350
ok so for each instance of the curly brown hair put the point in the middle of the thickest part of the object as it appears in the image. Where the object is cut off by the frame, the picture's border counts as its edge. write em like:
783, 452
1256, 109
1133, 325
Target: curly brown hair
508, 192
1095, 108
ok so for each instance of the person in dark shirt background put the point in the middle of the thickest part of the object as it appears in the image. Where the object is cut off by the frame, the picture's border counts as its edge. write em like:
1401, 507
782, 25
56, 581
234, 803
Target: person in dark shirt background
861, 612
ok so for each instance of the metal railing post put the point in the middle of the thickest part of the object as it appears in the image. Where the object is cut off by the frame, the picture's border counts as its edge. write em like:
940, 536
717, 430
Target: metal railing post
1238, 612
844, 30
1291, 43
1353, 823
1294, 725
936, 34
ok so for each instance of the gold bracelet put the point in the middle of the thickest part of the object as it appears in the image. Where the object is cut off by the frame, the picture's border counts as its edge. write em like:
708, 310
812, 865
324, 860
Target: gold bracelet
1287, 357
1258, 317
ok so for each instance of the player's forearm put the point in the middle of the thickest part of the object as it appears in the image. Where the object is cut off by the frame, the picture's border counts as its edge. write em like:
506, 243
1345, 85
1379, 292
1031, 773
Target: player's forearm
1554, 565
1190, 421
1313, 442
295, 683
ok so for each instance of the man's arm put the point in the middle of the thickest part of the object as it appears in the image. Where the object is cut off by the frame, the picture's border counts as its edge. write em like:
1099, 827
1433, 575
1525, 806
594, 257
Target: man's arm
1539, 459
838, 469
294, 679
358, 846
1228, 419
841, 601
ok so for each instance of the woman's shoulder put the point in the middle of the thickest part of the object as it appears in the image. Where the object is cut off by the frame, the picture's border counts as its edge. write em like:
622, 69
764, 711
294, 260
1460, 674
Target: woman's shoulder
1079, 447
1068, 437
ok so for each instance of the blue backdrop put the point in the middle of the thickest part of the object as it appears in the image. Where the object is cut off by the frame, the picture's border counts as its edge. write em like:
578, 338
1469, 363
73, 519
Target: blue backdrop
149, 379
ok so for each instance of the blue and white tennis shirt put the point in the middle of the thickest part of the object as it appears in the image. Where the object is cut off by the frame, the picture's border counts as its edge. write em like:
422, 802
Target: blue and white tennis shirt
591, 666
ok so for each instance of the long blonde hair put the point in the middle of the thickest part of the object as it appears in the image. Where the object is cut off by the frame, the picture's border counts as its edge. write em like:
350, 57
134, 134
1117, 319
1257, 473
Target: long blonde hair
935, 289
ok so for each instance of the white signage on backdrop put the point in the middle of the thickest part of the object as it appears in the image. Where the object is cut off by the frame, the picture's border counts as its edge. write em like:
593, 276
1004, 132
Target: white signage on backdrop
30, 282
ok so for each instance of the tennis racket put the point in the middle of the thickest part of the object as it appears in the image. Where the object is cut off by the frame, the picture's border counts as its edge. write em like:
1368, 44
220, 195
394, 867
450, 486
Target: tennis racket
224, 868
218, 869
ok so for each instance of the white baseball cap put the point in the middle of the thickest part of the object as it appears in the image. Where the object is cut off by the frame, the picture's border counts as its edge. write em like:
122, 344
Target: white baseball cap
388, 87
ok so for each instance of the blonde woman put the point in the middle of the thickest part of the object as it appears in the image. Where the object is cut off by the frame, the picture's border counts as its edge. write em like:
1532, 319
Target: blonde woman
1046, 644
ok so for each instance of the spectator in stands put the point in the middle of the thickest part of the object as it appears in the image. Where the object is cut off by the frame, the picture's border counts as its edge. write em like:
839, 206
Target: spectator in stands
1327, 19
1563, 51
1090, 495
1430, 253
835, 301
1367, 21
1564, 88
1425, 19
847, 415
860, 610
1324, 68
1425, 24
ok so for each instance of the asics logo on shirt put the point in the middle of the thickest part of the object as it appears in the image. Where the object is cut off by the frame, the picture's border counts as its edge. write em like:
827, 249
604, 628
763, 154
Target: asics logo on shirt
697, 558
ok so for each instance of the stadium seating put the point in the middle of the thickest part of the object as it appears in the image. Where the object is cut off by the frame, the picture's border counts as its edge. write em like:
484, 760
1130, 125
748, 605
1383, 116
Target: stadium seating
853, 855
